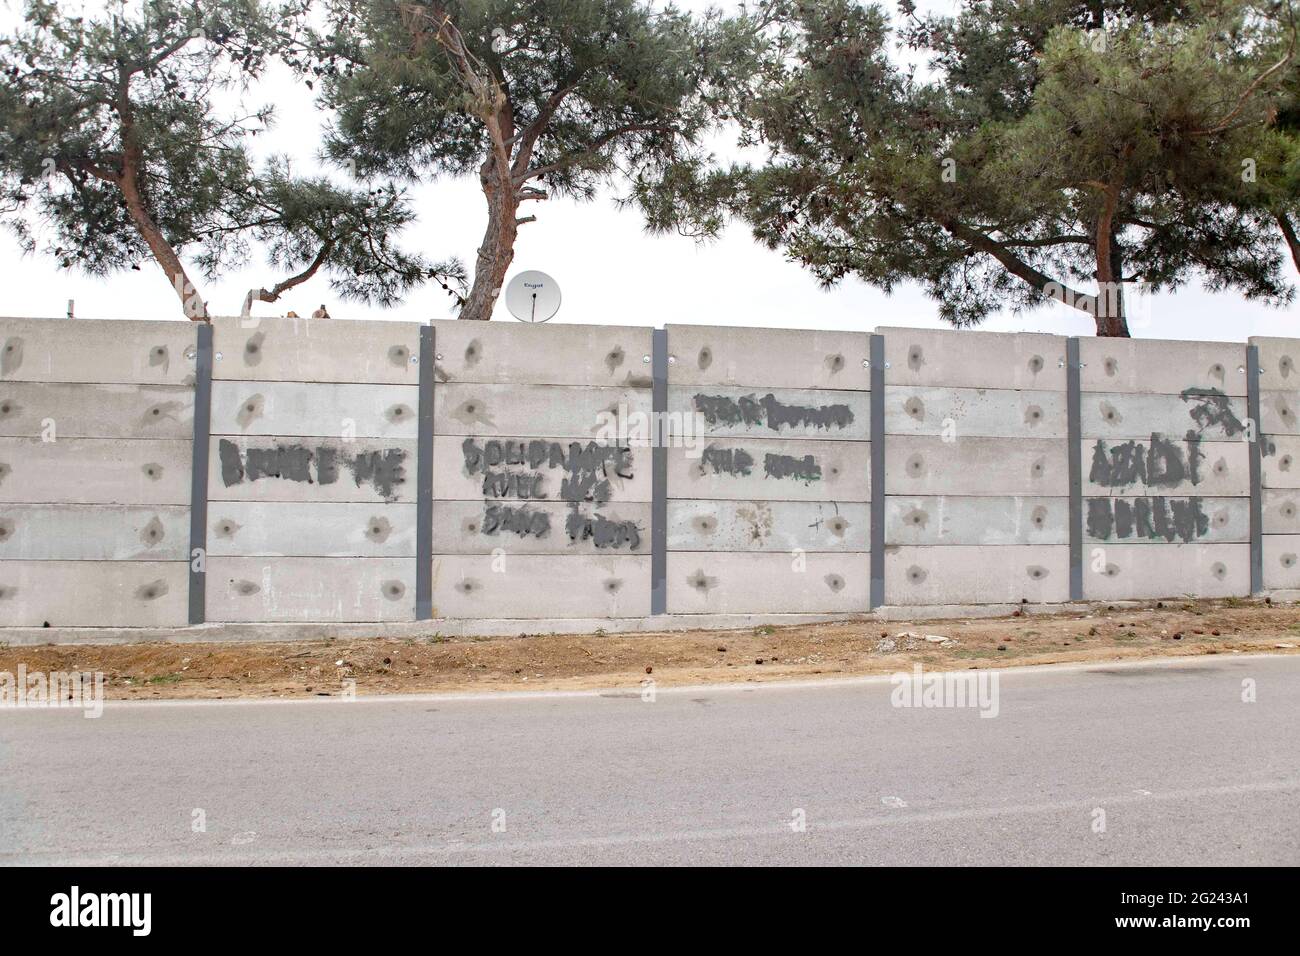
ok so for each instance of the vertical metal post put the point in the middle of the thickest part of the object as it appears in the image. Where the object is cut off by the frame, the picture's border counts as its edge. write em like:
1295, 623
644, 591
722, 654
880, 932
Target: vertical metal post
659, 474
1256, 472
424, 480
1074, 437
877, 361
199, 472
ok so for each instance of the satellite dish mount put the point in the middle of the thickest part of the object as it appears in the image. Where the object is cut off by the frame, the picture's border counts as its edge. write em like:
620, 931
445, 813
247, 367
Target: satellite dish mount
533, 297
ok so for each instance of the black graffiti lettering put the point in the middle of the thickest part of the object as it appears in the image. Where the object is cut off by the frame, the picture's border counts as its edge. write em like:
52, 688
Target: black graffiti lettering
803, 469
1212, 407
473, 455
1160, 464
1153, 518
1123, 519
726, 461
1101, 519
520, 521
751, 411
601, 531
232, 465
508, 484
384, 470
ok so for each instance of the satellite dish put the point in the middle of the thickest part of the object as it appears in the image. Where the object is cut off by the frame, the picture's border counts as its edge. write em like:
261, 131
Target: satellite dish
533, 297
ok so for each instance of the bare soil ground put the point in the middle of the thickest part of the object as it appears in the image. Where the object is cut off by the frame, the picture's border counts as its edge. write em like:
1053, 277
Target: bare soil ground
561, 662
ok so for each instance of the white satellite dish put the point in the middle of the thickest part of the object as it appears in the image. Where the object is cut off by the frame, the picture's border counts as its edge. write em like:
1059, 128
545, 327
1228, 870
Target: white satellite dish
533, 297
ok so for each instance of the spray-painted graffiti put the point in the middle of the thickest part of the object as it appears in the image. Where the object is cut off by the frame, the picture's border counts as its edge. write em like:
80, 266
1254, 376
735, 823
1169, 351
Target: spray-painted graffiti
1211, 407
750, 411
526, 470
312, 464
1160, 463
1156, 518
738, 463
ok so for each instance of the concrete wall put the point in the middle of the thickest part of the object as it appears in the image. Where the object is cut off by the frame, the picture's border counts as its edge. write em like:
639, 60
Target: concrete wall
518, 477
1165, 468
95, 448
541, 470
312, 468
768, 470
976, 468
1279, 405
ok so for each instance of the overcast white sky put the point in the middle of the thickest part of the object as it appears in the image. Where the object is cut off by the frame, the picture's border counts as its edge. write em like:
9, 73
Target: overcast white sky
610, 271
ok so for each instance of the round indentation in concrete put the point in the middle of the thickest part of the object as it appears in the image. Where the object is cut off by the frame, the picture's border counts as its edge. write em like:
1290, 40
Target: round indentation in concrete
915, 408
253, 349
151, 591
1285, 366
835, 582
915, 358
612, 585
1217, 371
835, 362
1288, 509
158, 355
1033, 416
1111, 366
1221, 467
916, 466
614, 359
399, 413
1035, 364
1038, 468
399, 355
6, 529
1220, 518
1219, 570
705, 524
226, 528
393, 590
1112, 570
705, 358
837, 526
1110, 414
1284, 463
153, 471
378, 528
250, 409
246, 588
1036, 572
473, 352
467, 586
701, 581
1288, 560
916, 574
917, 518
1038, 517
8, 408
152, 533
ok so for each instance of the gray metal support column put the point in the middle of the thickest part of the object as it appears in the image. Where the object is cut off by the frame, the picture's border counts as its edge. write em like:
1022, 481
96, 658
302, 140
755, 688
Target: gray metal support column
424, 480
659, 474
199, 472
1074, 437
877, 360
1256, 472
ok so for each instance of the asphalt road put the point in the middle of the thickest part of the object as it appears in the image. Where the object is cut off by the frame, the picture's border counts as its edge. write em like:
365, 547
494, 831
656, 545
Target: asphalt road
1184, 771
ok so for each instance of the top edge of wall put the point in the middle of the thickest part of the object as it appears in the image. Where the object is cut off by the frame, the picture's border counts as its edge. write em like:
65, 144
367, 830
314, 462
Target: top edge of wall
275, 349
97, 352
521, 353
768, 358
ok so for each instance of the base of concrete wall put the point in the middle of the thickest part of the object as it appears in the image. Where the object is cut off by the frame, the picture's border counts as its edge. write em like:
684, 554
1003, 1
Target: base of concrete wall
522, 627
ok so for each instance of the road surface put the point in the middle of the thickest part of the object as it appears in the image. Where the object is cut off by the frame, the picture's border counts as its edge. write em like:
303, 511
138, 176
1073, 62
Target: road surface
1138, 763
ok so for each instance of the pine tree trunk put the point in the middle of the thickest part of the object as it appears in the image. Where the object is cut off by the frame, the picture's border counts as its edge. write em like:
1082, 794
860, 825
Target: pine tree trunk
497, 250
1110, 270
